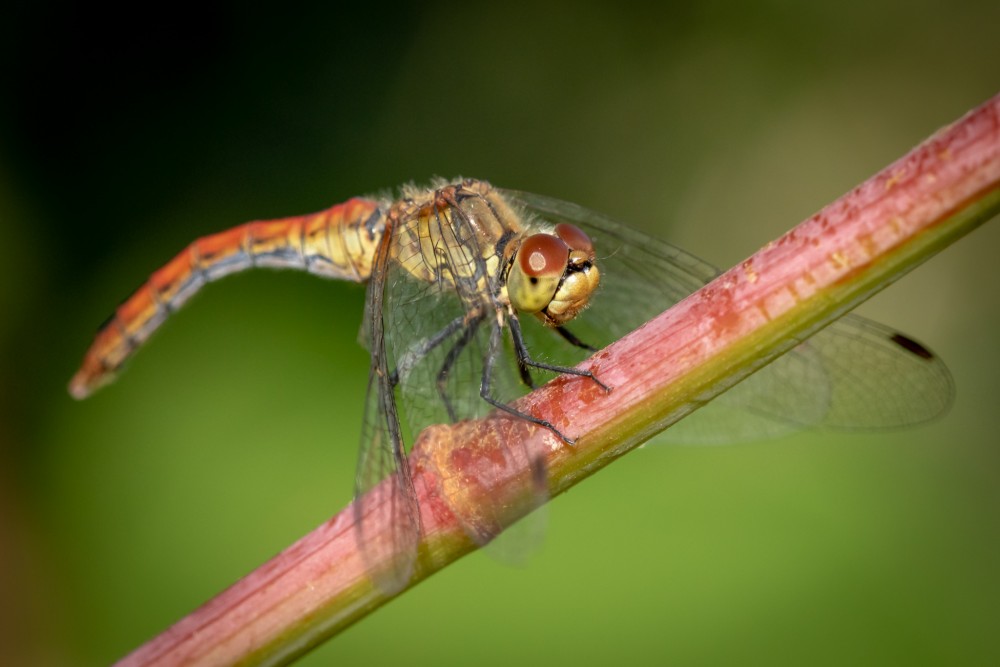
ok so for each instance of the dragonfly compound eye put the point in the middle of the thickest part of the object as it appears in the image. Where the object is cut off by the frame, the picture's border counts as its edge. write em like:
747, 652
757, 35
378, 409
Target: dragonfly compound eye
538, 268
575, 238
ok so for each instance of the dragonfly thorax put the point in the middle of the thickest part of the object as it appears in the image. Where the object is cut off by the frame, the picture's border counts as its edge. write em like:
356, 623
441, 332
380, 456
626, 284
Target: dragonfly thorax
468, 237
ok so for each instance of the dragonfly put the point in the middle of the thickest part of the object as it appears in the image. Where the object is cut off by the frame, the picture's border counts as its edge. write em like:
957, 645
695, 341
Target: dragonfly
474, 293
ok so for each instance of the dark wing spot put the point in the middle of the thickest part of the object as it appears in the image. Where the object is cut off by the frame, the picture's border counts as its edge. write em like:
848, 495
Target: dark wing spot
911, 345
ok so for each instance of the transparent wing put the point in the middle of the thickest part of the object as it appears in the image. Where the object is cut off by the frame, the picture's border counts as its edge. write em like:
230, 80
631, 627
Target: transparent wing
428, 341
386, 510
436, 336
855, 374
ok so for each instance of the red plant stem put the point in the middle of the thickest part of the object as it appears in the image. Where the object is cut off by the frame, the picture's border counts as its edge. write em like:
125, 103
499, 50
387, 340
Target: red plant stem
469, 474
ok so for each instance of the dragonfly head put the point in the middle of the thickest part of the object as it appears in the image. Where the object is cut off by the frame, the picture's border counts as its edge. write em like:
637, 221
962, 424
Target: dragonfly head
553, 275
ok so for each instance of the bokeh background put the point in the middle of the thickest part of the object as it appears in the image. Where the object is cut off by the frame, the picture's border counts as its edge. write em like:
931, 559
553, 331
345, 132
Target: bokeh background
125, 134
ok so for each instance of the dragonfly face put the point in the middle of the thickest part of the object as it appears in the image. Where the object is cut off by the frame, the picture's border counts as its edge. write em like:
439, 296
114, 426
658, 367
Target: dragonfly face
553, 275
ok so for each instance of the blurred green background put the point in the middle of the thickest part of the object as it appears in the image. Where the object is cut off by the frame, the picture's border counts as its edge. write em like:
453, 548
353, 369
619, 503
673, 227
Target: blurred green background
123, 136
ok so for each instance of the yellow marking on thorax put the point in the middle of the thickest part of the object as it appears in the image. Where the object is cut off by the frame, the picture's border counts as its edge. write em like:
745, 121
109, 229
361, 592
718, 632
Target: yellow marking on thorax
446, 235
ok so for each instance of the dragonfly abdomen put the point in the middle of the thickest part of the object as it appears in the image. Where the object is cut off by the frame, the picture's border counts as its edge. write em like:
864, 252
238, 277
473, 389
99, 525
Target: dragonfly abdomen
338, 242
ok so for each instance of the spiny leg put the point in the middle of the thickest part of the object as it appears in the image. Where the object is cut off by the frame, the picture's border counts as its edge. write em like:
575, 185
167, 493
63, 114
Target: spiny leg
525, 372
573, 340
487, 380
524, 358
412, 357
568, 337
442, 378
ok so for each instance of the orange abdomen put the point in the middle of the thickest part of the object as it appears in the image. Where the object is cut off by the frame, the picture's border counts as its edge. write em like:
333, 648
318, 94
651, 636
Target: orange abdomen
338, 242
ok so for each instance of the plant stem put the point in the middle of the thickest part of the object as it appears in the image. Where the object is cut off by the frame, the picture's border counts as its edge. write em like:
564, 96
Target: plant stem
475, 474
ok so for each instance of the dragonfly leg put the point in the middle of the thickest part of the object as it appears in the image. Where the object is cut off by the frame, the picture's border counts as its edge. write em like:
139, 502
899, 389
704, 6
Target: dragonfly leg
413, 356
485, 390
524, 358
525, 372
442, 378
573, 340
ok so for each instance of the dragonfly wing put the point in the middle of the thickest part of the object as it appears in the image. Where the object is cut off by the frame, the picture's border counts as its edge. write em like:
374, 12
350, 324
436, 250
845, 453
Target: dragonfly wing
386, 509
432, 337
752, 410
859, 374
879, 378
854, 374
520, 541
